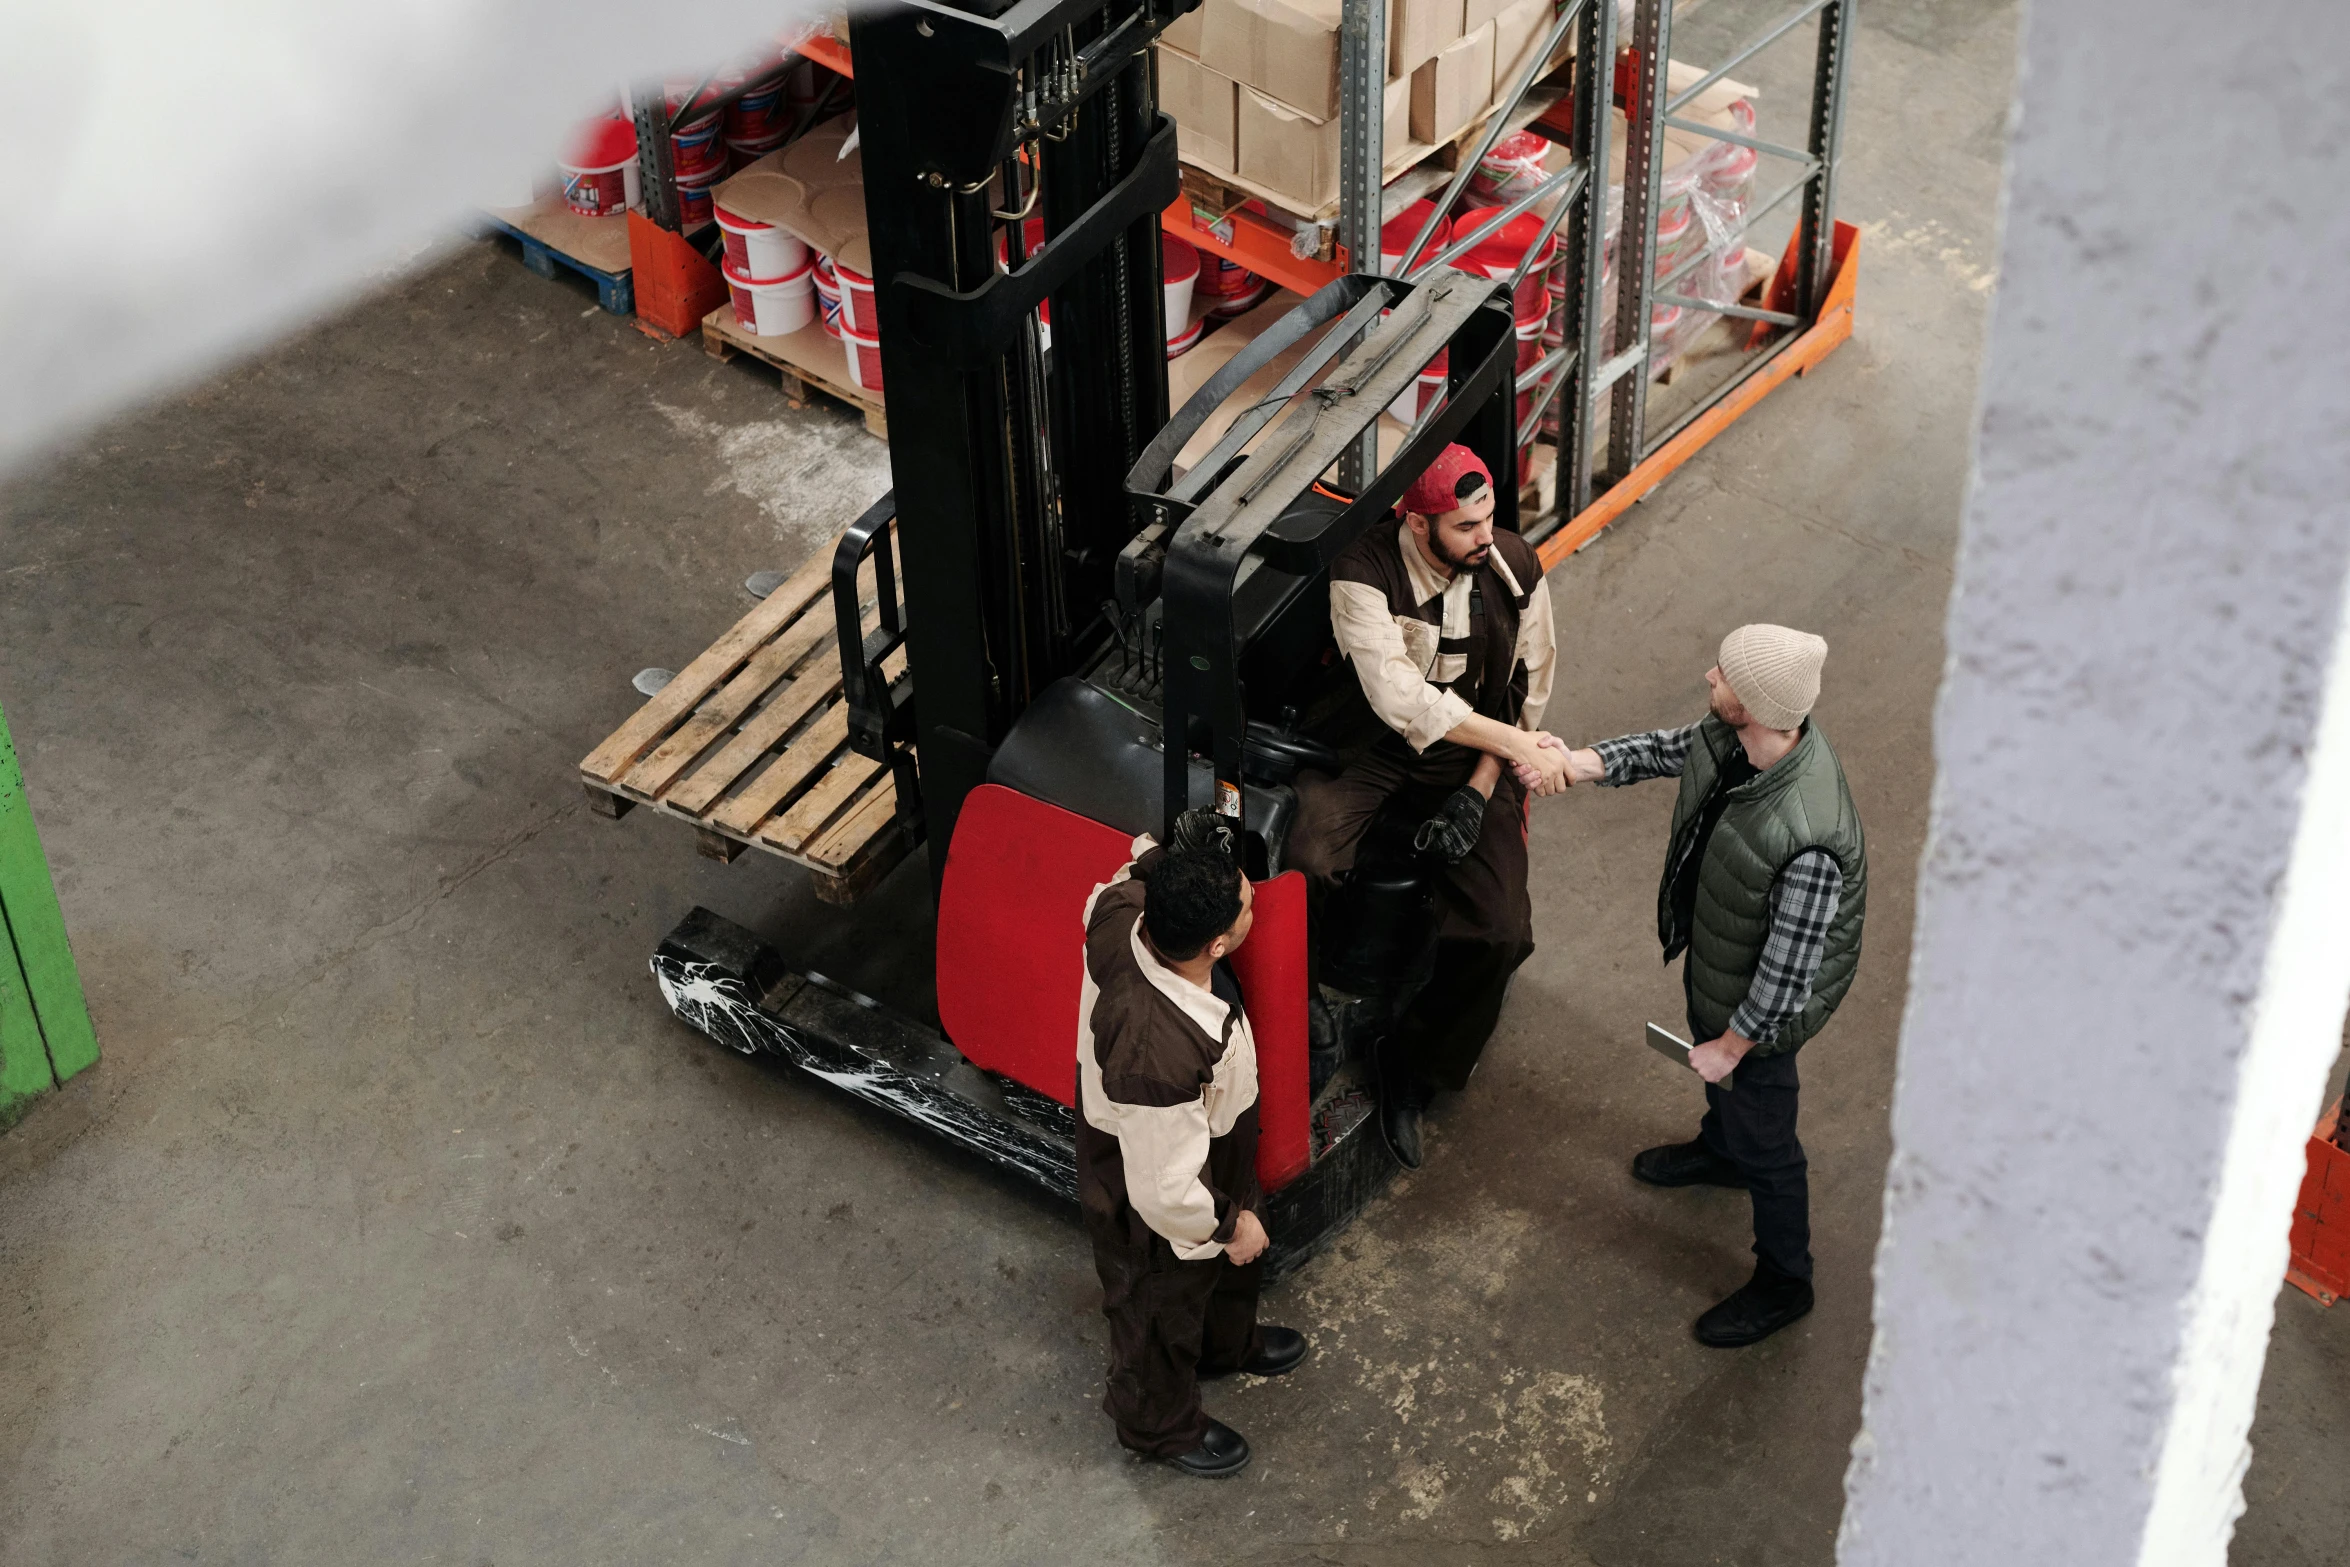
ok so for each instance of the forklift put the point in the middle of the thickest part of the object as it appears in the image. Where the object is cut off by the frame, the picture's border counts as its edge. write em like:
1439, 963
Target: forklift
1092, 637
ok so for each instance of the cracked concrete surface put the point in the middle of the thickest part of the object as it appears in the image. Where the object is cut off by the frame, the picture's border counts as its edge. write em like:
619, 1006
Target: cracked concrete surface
402, 1224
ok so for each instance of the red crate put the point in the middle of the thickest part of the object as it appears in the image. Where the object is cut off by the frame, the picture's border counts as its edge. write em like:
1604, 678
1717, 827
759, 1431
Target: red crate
2321, 1216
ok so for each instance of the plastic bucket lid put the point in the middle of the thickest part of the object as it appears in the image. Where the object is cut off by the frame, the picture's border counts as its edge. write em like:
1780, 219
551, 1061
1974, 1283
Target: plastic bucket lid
738, 225
600, 146
1177, 258
1514, 151
1499, 253
1398, 232
1187, 339
801, 276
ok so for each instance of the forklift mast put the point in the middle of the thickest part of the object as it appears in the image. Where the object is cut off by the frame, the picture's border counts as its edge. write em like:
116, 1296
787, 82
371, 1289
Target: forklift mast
1009, 487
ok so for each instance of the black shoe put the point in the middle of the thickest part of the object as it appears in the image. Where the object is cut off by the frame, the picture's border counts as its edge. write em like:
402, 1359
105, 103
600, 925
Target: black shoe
1399, 1128
1761, 1307
1686, 1164
1222, 1451
1278, 1352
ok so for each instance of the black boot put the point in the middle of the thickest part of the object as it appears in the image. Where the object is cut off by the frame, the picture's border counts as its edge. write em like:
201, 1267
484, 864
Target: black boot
1761, 1307
1401, 1099
1222, 1451
1279, 1350
1686, 1164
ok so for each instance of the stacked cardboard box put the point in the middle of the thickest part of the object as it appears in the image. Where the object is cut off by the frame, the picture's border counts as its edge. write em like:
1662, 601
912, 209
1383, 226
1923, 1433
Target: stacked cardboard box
1253, 84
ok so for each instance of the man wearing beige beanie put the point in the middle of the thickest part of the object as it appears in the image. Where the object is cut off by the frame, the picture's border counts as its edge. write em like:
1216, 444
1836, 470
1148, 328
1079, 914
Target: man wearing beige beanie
1765, 881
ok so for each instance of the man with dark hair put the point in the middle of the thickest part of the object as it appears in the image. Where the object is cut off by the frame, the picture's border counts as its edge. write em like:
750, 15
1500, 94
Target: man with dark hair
1447, 623
1167, 1144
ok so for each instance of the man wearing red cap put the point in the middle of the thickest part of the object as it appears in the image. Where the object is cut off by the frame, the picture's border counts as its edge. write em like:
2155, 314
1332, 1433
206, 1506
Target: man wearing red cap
1447, 624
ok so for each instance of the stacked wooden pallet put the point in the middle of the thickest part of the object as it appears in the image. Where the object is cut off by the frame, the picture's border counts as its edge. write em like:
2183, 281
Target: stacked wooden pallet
749, 743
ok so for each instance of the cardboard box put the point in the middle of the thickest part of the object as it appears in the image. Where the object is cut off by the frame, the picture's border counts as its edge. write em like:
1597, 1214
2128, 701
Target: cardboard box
1293, 155
1453, 89
1204, 107
1517, 33
1482, 11
1285, 49
1418, 30
1396, 128
1184, 32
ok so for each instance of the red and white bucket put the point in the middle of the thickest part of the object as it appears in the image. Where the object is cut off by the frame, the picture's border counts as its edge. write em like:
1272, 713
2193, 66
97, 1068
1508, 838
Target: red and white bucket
1498, 255
775, 307
1510, 170
696, 198
857, 310
1179, 270
1397, 233
694, 148
1529, 344
757, 114
1233, 305
827, 293
1184, 341
1220, 277
599, 168
741, 154
760, 251
864, 355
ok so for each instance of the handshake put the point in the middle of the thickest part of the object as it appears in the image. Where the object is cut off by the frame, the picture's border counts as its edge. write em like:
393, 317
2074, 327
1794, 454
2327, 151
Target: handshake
1545, 764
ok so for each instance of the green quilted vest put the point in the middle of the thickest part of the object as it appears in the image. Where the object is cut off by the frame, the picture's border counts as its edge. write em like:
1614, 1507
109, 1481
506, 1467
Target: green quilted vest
1799, 804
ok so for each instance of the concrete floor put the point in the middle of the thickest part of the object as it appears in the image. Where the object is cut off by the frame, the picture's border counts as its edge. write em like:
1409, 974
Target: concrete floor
401, 1223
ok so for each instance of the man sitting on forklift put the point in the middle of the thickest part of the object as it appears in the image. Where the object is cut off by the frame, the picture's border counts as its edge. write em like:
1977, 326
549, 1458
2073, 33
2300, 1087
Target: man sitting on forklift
1167, 1144
1447, 622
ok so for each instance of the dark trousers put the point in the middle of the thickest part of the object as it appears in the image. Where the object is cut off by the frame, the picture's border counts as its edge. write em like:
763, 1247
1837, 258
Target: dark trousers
1170, 1320
1484, 916
1752, 1125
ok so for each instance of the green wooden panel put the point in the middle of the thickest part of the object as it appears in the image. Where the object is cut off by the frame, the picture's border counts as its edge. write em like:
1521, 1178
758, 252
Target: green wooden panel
36, 926
24, 1063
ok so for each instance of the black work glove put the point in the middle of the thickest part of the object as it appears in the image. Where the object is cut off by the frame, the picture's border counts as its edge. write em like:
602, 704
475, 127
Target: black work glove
1201, 828
1452, 832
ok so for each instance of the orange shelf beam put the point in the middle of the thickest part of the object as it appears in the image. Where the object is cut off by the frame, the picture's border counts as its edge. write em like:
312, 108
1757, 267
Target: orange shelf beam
1260, 248
825, 50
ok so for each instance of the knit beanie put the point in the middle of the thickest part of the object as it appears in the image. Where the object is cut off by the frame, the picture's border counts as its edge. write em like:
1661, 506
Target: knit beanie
1774, 672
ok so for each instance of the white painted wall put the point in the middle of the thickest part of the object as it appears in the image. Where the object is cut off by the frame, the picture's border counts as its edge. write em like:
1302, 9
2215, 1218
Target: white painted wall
190, 178
2133, 940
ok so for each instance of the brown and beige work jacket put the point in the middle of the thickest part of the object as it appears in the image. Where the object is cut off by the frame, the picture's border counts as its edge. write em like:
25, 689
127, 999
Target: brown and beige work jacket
1170, 1072
1429, 649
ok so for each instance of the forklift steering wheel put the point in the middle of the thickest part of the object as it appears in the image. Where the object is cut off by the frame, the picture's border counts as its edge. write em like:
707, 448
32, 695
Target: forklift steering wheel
1281, 753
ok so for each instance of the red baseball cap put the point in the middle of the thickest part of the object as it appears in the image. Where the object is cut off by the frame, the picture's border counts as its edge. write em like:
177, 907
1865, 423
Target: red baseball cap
1438, 490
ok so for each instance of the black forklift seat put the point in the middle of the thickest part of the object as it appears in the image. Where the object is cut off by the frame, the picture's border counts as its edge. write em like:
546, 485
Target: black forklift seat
1085, 750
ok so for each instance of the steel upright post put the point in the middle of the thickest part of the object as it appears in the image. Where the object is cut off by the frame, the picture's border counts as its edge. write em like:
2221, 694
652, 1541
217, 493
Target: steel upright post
1816, 247
656, 167
1586, 249
1362, 156
1627, 423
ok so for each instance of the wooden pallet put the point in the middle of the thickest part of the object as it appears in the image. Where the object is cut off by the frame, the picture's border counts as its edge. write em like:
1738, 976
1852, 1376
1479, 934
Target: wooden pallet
552, 235
749, 743
809, 360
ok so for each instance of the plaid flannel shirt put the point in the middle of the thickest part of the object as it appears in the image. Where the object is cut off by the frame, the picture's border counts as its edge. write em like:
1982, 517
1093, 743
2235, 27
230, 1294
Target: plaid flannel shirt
1803, 902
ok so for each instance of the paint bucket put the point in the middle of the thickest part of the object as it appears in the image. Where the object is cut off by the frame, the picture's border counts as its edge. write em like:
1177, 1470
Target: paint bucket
694, 148
1179, 269
1510, 170
1529, 344
1184, 341
760, 251
1498, 255
740, 155
1397, 233
758, 114
776, 307
857, 309
827, 293
864, 356
1233, 305
696, 198
599, 169
1220, 277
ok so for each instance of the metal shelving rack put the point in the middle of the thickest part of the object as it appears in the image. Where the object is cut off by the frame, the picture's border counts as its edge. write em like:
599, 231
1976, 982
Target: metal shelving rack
1807, 310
